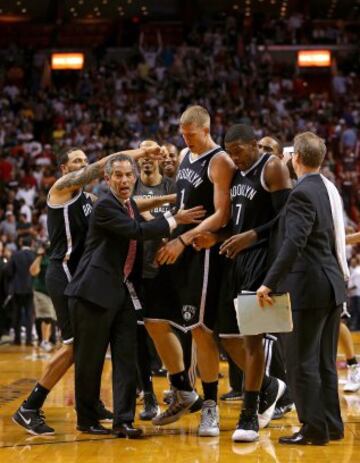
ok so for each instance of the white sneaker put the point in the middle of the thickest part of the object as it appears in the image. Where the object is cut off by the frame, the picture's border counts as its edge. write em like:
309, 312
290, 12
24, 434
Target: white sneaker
353, 378
46, 346
209, 424
268, 400
247, 429
183, 400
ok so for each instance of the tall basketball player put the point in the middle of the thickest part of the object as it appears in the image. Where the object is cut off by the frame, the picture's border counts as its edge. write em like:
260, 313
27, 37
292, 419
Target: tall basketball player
259, 189
189, 283
69, 208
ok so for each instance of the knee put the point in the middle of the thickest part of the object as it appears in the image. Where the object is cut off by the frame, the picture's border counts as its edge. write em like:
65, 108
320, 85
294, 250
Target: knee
156, 329
202, 337
231, 345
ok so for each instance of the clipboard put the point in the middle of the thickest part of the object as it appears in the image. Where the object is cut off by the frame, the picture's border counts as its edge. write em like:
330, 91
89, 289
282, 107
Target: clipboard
253, 320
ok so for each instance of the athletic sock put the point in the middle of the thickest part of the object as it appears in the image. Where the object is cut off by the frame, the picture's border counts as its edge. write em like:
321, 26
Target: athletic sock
351, 361
180, 381
251, 401
210, 390
37, 398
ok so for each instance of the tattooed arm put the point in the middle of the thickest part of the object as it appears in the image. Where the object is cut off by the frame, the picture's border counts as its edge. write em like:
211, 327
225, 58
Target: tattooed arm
65, 187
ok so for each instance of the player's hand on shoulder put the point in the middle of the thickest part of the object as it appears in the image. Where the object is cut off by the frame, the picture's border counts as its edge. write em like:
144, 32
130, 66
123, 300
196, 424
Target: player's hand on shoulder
237, 243
169, 253
204, 240
188, 216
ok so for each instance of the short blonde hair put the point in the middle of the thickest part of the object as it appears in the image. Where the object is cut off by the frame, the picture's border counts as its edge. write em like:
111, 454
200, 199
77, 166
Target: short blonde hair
310, 148
196, 115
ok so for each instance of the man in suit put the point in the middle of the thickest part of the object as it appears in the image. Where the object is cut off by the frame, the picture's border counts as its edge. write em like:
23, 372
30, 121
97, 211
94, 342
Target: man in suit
306, 265
20, 284
104, 300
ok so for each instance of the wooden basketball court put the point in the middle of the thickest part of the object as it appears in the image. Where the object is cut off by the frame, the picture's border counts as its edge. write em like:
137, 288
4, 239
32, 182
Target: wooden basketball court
178, 443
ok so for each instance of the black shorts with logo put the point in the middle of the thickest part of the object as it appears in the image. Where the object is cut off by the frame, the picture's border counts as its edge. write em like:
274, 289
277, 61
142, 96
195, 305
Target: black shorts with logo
186, 293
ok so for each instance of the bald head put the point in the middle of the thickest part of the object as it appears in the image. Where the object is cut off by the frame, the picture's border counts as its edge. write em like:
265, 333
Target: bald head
270, 145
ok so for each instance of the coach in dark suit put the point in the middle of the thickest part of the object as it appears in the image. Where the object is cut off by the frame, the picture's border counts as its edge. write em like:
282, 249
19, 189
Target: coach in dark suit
306, 266
20, 287
102, 306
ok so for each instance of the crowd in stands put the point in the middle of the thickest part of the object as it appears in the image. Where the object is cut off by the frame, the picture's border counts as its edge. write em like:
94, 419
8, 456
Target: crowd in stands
109, 107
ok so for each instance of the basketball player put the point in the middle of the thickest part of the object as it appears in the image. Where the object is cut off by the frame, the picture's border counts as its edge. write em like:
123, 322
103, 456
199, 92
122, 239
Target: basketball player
271, 145
189, 283
69, 208
150, 183
170, 162
259, 189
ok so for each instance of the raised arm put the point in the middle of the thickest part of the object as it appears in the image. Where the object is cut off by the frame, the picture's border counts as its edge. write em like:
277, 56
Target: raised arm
65, 186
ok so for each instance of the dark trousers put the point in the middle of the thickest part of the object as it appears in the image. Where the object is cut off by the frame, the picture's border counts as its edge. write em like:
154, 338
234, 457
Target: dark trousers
94, 328
144, 360
236, 376
310, 356
23, 309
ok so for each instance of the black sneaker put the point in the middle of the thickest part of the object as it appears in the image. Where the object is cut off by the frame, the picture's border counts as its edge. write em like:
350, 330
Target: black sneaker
103, 413
247, 429
232, 396
268, 399
33, 421
281, 410
197, 406
151, 407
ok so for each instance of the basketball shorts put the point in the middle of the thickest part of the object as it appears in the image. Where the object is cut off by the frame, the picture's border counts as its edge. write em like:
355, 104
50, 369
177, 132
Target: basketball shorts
245, 273
186, 293
56, 282
43, 306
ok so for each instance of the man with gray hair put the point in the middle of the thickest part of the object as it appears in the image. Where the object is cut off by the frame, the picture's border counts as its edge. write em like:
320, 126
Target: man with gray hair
309, 266
104, 301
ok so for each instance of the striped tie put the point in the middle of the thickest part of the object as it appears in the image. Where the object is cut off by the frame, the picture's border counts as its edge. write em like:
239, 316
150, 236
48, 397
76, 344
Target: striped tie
130, 258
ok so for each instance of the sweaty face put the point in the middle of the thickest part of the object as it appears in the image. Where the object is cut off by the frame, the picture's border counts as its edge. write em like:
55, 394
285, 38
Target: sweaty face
122, 179
194, 136
77, 160
170, 162
244, 155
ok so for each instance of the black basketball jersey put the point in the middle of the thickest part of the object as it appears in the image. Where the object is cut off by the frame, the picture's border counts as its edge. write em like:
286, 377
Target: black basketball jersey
67, 226
193, 185
251, 204
165, 187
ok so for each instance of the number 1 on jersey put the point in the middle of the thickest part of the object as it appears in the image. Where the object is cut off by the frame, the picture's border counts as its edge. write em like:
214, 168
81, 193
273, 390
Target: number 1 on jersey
182, 197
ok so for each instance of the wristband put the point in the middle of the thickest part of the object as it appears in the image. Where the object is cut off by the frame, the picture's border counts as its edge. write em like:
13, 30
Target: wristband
182, 241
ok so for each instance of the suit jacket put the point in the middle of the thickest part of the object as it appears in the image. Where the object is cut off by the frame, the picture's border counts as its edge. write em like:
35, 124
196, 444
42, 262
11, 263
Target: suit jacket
20, 280
305, 262
99, 274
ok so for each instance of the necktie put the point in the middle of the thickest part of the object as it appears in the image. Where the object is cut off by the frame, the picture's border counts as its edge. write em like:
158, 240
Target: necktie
130, 258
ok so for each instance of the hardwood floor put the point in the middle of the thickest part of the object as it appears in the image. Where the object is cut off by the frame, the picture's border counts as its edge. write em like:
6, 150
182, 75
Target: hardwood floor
177, 443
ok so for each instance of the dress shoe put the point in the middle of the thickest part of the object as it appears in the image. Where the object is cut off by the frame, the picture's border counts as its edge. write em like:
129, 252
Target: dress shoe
127, 430
96, 429
336, 435
300, 439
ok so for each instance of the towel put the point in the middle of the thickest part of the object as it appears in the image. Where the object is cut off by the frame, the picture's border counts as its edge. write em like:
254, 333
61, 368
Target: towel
337, 212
